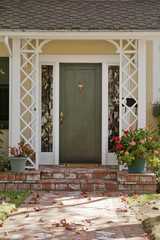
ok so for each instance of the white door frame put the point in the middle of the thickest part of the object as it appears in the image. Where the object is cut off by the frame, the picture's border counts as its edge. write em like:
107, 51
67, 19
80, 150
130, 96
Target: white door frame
55, 60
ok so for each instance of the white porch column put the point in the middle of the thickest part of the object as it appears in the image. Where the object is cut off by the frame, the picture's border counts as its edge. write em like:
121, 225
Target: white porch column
14, 131
141, 83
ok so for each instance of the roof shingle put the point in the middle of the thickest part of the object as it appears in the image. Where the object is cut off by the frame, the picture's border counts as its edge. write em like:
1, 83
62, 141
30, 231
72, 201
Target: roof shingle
80, 14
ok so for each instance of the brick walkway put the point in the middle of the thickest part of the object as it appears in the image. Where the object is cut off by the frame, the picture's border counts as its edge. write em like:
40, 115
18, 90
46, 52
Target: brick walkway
72, 216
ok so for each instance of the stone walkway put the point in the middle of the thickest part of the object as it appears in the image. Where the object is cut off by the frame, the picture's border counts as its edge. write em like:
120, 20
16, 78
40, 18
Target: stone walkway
72, 216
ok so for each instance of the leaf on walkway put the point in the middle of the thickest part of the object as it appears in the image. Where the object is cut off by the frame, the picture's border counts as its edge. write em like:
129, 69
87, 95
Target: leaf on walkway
145, 235
135, 196
40, 220
49, 228
89, 198
60, 203
38, 209
1, 224
15, 209
27, 216
88, 221
122, 209
108, 194
12, 219
68, 228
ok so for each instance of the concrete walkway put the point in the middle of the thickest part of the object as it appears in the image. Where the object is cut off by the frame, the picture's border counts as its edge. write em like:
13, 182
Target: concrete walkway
72, 216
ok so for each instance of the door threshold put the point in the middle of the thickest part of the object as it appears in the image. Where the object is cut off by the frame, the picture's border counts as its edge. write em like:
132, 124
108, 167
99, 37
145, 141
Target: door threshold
87, 165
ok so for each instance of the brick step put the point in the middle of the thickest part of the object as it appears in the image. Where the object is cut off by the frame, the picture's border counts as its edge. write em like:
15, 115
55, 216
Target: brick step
79, 173
62, 184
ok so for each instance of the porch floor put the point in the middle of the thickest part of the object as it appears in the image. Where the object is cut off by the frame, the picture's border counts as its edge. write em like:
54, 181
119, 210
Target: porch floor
71, 178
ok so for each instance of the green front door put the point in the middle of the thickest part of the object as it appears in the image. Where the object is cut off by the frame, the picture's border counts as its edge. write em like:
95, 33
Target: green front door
80, 113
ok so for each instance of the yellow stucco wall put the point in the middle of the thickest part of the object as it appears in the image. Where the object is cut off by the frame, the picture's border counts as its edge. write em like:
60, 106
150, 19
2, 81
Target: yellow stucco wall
79, 48
3, 50
149, 91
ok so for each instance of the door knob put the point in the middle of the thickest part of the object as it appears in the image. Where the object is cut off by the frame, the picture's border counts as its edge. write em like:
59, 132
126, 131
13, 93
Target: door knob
61, 119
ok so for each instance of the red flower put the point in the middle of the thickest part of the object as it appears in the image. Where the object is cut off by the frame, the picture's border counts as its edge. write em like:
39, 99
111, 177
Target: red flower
131, 127
126, 132
133, 143
117, 139
120, 146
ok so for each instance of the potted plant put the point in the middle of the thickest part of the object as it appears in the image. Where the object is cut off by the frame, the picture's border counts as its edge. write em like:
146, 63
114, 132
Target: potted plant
136, 147
156, 108
19, 156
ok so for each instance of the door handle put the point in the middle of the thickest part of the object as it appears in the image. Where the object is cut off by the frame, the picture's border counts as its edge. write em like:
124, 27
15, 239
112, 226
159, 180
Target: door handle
61, 119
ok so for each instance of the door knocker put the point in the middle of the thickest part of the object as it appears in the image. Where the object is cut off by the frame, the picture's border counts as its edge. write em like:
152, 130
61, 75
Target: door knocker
80, 86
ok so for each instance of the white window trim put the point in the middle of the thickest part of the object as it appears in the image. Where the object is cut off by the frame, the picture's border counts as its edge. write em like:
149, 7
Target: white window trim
55, 60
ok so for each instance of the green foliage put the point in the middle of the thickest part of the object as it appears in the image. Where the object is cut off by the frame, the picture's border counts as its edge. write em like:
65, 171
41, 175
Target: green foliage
137, 143
9, 200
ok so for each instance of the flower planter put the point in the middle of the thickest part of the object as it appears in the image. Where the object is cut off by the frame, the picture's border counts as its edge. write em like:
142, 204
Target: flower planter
137, 166
156, 110
18, 164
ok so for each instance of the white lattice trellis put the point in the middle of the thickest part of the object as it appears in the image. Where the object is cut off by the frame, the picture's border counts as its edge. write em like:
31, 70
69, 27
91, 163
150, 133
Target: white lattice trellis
28, 105
128, 84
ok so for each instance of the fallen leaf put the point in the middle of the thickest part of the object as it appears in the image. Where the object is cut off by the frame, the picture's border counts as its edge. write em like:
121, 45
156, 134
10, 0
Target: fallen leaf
40, 220
60, 203
49, 228
38, 209
12, 219
64, 222
109, 221
54, 202
145, 235
1, 224
27, 216
122, 210
21, 229
135, 196
68, 228
56, 224
89, 198
155, 208
158, 218
15, 209
108, 194
88, 220
83, 193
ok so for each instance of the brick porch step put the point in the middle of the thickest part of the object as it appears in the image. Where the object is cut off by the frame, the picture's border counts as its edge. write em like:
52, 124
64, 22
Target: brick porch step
79, 179
79, 173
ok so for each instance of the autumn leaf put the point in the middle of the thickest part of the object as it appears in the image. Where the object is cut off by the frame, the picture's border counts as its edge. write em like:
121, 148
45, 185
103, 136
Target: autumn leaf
89, 198
15, 209
40, 220
27, 216
158, 218
56, 224
60, 203
83, 193
88, 220
145, 235
49, 228
135, 196
38, 209
122, 210
108, 194
1, 224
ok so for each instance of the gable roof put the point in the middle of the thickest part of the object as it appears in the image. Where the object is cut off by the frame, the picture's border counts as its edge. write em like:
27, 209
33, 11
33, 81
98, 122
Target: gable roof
82, 15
